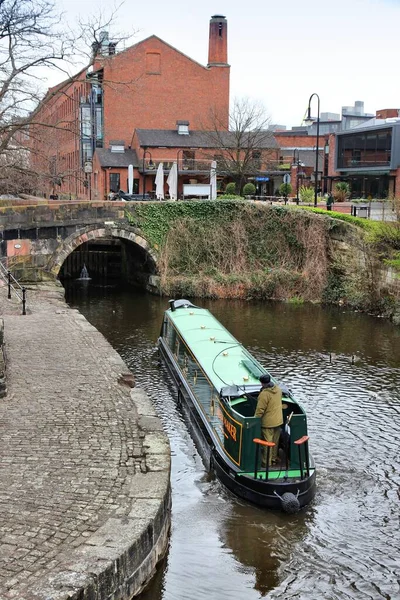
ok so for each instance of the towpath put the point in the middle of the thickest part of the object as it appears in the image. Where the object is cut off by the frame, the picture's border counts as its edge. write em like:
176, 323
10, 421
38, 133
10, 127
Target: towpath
84, 471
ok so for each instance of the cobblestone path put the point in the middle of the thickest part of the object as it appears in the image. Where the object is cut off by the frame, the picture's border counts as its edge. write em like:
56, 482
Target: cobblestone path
70, 445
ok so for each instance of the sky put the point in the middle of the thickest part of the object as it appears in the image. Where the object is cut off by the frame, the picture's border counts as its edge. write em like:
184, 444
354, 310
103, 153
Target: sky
280, 52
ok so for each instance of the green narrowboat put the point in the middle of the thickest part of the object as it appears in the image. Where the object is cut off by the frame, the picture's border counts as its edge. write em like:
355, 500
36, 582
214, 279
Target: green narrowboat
218, 384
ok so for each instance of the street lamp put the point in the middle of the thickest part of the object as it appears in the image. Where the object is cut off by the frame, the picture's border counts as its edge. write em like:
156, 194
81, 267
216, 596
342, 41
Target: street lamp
309, 121
177, 170
145, 153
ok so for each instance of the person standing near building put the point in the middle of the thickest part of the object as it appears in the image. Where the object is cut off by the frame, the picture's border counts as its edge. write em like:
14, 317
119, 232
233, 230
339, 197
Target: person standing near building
269, 409
329, 202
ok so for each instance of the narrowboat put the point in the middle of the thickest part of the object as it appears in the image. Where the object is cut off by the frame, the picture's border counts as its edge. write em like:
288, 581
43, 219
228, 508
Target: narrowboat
217, 382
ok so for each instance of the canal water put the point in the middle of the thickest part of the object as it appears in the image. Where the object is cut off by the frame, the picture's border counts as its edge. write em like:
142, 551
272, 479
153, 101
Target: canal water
344, 367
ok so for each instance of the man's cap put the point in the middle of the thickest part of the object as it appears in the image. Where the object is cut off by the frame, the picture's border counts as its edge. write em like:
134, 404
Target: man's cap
265, 378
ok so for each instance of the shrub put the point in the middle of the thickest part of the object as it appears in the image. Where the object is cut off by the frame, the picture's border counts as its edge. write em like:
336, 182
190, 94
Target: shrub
306, 194
230, 188
285, 189
341, 191
230, 197
249, 189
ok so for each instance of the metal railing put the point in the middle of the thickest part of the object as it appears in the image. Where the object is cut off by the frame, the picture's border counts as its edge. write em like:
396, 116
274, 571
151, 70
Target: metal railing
13, 285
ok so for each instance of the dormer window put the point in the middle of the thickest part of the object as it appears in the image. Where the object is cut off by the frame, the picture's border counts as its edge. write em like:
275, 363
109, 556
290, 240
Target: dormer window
117, 147
183, 127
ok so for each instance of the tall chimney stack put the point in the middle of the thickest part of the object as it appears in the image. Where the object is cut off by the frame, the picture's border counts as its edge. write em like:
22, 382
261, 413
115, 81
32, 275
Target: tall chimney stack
218, 42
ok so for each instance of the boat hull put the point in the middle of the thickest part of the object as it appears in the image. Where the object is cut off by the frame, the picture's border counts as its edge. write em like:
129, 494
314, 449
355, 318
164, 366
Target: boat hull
265, 494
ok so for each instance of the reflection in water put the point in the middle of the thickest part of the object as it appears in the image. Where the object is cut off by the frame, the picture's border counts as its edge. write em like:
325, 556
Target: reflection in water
344, 369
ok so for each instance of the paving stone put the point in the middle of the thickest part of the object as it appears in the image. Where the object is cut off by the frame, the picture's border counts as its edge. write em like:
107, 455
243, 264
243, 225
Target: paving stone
74, 475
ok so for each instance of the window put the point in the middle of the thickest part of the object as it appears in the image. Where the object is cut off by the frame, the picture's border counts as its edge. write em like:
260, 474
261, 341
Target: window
188, 159
135, 187
370, 149
183, 129
114, 182
99, 126
256, 156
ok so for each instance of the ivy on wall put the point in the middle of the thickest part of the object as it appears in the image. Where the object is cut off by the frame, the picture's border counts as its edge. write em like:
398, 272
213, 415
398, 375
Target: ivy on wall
156, 219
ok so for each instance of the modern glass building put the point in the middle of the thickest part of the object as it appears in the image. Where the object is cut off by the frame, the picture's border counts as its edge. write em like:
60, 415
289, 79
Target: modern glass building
368, 157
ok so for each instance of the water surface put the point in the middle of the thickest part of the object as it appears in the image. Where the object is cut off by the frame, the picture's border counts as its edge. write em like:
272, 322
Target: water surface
344, 368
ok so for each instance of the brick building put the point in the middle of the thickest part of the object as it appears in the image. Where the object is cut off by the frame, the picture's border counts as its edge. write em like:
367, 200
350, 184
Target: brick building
150, 85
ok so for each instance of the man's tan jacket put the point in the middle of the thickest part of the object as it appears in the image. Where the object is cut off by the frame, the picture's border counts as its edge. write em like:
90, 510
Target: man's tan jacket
269, 406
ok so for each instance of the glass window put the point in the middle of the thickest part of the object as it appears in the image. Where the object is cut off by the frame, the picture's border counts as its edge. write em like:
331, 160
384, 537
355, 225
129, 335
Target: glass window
87, 152
188, 159
99, 124
365, 149
86, 121
114, 182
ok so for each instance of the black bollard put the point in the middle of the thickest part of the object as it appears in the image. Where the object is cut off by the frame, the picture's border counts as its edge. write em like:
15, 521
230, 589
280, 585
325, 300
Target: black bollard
23, 301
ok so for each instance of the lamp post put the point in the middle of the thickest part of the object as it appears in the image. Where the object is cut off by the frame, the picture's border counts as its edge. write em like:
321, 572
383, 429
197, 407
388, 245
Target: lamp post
297, 163
177, 171
145, 153
309, 120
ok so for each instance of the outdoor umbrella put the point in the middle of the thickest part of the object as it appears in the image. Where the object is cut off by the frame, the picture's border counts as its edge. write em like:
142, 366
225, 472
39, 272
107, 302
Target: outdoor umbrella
213, 180
160, 182
130, 179
172, 182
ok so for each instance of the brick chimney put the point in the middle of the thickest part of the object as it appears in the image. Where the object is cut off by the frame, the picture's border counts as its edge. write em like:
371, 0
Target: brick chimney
218, 42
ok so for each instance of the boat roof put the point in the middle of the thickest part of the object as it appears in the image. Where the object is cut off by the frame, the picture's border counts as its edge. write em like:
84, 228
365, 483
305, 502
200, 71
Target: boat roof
222, 357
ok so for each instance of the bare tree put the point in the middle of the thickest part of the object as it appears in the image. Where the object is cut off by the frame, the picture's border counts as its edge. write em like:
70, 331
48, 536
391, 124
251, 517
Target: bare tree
34, 41
247, 146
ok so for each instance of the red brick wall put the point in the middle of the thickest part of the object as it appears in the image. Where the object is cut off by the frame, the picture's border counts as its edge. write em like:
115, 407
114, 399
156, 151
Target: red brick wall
54, 137
298, 141
152, 85
387, 113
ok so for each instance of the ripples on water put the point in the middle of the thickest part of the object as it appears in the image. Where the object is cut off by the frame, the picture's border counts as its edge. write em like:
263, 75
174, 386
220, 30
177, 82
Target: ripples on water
344, 368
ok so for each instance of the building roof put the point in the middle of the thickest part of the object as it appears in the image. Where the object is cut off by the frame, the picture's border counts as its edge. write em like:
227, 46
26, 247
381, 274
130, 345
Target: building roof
376, 122
117, 159
170, 138
372, 125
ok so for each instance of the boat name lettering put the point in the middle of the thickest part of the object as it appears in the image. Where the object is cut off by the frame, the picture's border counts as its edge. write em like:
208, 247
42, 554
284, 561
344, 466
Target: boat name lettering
230, 428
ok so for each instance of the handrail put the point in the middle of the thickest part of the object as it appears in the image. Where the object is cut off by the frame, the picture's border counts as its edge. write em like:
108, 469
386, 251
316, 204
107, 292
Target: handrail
13, 284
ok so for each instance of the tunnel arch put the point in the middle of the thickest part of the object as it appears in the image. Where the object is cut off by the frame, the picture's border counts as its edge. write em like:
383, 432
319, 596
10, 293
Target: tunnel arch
96, 233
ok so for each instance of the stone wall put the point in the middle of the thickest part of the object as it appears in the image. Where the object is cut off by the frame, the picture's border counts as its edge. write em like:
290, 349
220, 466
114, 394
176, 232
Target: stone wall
368, 283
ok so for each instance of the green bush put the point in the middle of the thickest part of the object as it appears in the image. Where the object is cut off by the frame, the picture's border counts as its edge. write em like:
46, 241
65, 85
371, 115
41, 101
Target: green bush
230, 197
249, 189
285, 189
306, 194
230, 188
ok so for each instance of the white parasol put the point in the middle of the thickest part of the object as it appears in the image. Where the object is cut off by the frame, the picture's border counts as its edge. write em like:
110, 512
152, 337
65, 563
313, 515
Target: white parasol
213, 180
172, 182
160, 182
130, 179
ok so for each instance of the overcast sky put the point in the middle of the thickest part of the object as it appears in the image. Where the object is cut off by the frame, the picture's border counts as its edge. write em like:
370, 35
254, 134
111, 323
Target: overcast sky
280, 52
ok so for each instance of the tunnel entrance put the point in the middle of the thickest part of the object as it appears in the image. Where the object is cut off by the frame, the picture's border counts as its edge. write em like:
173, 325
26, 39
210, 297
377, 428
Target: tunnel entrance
113, 260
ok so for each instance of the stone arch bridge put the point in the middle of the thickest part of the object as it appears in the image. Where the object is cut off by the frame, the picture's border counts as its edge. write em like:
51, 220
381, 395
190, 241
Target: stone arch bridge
47, 241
